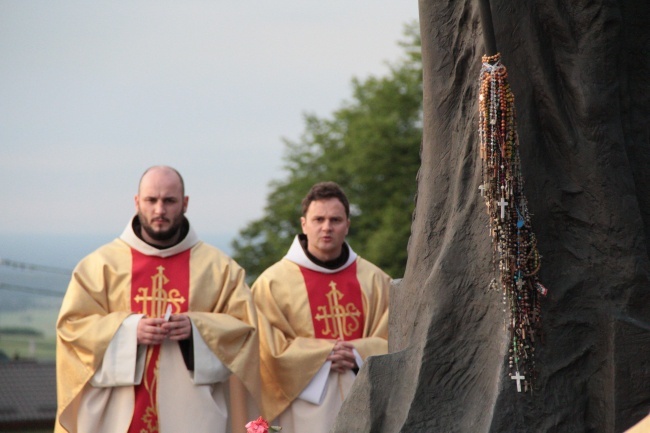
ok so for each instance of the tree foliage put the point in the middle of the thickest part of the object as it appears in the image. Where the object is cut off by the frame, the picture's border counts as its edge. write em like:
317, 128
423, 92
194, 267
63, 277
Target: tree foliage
370, 146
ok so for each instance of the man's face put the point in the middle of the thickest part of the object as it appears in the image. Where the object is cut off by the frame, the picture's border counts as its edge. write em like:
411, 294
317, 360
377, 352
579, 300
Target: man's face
160, 206
326, 226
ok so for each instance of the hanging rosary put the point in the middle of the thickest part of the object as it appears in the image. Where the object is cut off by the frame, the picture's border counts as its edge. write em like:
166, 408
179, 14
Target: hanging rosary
514, 256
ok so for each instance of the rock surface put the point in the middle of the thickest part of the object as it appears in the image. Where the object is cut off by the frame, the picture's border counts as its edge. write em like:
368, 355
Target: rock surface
580, 73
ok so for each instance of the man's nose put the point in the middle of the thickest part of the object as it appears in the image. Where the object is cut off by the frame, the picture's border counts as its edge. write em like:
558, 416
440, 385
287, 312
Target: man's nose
159, 208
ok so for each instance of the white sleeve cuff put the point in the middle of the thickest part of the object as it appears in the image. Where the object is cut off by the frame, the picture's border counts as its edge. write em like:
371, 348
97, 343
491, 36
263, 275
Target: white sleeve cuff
357, 358
208, 369
315, 390
123, 362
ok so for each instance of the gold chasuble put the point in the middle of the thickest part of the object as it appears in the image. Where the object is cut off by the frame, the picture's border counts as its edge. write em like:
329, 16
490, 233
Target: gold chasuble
303, 309
108, 383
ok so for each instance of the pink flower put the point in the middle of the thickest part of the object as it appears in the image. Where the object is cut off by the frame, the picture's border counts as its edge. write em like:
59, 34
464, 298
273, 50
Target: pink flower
258, 426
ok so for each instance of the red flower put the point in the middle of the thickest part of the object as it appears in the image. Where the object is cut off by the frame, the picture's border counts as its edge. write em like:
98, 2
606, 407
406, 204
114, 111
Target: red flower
258, 426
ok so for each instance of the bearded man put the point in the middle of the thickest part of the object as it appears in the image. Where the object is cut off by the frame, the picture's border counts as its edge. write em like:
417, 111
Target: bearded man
153, 324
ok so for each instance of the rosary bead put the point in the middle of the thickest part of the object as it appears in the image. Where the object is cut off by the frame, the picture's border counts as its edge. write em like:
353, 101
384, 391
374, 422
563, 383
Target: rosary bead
514, 253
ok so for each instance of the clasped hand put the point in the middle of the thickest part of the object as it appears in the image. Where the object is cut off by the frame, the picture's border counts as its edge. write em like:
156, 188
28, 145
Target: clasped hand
342, 357
156, 330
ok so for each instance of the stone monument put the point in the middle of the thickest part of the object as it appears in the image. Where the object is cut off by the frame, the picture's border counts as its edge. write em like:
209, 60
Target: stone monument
579, 73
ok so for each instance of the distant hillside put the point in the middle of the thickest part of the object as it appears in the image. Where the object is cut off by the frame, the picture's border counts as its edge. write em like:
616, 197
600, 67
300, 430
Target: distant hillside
26, 343
28, 332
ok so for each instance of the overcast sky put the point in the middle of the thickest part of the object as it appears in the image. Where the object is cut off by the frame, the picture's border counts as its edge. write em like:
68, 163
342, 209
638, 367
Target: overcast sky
93, 93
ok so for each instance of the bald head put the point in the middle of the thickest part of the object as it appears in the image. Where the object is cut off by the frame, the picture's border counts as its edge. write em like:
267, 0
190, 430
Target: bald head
163, 170
160, 205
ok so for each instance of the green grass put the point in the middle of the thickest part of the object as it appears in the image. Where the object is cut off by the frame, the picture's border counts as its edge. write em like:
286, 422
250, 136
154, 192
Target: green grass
29, 334
42, 320
28, 347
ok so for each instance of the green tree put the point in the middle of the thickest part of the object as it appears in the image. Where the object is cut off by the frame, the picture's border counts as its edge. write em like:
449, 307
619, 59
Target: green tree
370, 147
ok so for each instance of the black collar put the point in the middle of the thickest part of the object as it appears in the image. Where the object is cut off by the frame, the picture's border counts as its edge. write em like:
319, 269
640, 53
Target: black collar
330, 264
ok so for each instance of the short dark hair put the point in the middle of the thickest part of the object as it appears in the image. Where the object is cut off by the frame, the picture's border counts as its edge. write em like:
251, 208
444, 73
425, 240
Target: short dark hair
323, 191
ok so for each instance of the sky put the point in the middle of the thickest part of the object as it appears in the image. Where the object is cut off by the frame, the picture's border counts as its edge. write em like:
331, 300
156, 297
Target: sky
93, 93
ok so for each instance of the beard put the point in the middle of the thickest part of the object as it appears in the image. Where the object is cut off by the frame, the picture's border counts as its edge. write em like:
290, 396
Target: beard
163, 235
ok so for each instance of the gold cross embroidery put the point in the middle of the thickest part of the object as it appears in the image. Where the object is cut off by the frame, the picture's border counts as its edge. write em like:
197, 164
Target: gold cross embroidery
159, 298
341, 321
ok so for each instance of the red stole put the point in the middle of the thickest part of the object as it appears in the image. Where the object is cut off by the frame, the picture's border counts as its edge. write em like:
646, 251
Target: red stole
335, 301
155, 283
